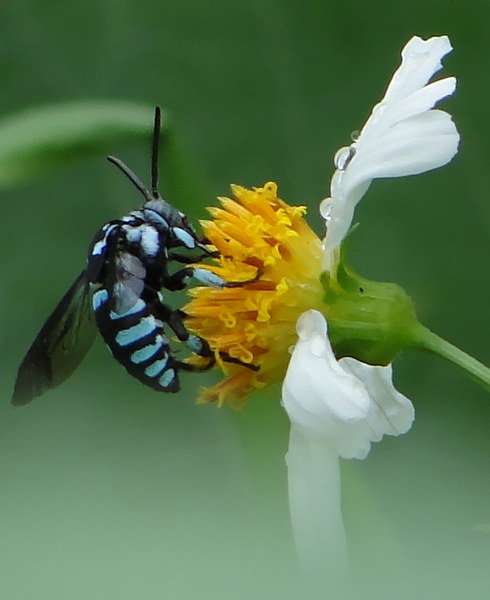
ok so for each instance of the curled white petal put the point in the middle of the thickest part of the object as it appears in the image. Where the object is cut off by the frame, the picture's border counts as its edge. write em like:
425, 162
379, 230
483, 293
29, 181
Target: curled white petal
337, 409
404, 135
421, 59
345, 403
318, 394
390, 413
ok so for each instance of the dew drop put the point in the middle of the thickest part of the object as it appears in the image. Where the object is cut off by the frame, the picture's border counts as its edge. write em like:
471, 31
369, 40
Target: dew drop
354, 136
326, 206
343, 156
378, 111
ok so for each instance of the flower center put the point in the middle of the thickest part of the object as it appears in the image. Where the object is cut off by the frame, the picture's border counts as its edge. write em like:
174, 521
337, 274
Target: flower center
257, 236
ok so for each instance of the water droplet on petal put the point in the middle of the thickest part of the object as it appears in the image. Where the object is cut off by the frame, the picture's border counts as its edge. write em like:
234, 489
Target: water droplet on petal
343, 156
354, 136
326, 206
378, 111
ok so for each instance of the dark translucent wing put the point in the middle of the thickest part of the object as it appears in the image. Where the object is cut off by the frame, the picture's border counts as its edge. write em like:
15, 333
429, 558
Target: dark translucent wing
60, 346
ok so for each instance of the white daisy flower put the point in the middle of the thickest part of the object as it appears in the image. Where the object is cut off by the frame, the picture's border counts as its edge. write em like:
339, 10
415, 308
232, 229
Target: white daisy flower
338, 408
404, 135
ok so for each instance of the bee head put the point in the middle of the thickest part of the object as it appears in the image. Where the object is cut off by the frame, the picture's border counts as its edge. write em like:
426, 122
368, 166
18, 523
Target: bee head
157, 211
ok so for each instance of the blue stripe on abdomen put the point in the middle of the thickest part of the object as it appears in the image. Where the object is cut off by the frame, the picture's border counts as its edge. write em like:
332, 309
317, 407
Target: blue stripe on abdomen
146, 326
137, 340
156, 367
147, 352
167, 378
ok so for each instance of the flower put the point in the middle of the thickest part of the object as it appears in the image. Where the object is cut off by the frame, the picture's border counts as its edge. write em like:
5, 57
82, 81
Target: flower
345, 402
293, 283
336, 408
404, 135
255, 323
261, 239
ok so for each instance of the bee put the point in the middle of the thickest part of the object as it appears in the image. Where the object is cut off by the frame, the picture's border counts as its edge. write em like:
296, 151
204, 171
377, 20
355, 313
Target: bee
122, 294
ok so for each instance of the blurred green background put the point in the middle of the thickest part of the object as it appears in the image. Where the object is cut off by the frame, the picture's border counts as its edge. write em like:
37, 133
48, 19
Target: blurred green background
108, 490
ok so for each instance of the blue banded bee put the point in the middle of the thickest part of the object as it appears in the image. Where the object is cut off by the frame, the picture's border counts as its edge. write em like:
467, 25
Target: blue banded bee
122, 294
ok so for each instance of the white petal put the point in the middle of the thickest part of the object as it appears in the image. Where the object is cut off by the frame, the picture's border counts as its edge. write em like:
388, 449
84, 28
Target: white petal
421, 59
318, 394
336, 401
315, 506
415, 145
387, 114
421, 100
336, 409
391, 413
403, 136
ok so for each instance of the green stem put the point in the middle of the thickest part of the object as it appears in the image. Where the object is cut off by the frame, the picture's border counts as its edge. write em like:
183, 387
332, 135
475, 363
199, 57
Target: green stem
425, 339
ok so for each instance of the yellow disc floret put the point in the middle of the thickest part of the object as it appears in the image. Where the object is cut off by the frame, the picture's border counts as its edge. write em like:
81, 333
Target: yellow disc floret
263, 241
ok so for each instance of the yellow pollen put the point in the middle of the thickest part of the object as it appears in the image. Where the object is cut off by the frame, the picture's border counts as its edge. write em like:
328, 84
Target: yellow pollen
267, 244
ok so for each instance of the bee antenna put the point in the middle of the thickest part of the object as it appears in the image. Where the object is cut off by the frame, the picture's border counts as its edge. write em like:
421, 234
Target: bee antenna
131, 176
154, 152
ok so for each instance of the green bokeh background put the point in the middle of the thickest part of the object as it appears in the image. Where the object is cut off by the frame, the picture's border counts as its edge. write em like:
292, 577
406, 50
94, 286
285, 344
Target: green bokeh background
108, 490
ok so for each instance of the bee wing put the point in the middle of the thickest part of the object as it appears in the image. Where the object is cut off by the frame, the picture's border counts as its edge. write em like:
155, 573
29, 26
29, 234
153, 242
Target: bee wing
60, 346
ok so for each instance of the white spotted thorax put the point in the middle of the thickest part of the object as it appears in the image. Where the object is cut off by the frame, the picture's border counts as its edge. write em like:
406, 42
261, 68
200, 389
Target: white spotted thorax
404, 135
100, 245
164, 217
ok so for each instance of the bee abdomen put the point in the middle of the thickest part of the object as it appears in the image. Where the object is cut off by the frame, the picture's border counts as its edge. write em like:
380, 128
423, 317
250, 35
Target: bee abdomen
137, 340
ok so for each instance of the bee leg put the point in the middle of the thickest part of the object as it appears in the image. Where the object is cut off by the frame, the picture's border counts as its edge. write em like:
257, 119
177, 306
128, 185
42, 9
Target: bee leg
187, 260
198, 345
183, 366
175, 320
178, 280
212, 280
